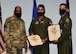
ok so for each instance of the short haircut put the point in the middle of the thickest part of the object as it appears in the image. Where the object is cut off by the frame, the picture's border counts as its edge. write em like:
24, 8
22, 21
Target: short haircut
17, 7
41, 5
64, 4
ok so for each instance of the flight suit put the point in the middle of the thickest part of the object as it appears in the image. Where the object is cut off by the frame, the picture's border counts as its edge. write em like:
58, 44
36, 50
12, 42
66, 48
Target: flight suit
40, 28
64, 44
15, 35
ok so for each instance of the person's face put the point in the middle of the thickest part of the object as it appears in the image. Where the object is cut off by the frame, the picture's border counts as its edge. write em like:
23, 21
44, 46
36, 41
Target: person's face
62, 9
40, 9
18, 12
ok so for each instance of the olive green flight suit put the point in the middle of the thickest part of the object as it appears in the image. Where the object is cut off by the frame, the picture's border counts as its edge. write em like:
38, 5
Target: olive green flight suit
40, 28
64, 44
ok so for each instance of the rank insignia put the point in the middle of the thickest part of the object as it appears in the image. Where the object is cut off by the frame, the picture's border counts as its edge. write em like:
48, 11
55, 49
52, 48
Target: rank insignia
42, 22
36, 22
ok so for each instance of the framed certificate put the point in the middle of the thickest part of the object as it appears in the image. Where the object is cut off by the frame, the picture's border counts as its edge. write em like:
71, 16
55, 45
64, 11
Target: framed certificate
54, 32
35, 40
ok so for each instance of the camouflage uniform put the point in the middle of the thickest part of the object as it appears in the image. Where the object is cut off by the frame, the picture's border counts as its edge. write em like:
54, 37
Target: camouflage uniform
40, 28
64, 44
14, 35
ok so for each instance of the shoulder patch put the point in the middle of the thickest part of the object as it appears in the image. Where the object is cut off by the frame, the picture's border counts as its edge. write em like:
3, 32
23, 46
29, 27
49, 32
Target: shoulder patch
67, 20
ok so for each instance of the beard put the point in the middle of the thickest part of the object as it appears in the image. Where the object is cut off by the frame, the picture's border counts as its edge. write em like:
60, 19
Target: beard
18, 15
41, 13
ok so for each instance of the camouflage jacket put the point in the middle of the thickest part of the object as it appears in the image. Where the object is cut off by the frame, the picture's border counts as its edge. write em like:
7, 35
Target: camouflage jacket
14, 32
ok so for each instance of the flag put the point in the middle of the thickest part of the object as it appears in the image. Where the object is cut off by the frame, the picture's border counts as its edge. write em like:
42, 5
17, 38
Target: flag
34, 15
2, 48
67, 2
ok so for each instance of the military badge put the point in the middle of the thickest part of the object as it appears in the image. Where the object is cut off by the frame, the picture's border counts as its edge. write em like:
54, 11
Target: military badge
36, 22
67, 20
42, 22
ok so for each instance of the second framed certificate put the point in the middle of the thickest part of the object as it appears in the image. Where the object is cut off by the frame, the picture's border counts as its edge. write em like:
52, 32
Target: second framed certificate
54, 32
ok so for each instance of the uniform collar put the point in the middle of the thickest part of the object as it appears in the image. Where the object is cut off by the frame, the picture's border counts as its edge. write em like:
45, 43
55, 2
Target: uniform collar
42, 18
15, 17
66, 15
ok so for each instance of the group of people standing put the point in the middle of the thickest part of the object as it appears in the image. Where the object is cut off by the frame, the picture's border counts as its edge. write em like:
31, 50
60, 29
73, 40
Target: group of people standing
15, 34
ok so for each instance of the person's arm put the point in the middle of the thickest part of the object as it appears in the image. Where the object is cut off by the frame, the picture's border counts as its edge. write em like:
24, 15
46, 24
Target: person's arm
50, 22
6, 34
23, 35
31, 29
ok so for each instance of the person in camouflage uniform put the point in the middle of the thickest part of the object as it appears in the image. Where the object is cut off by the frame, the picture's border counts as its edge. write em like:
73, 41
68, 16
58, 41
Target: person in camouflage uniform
64, 42
14, 33
39, 26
